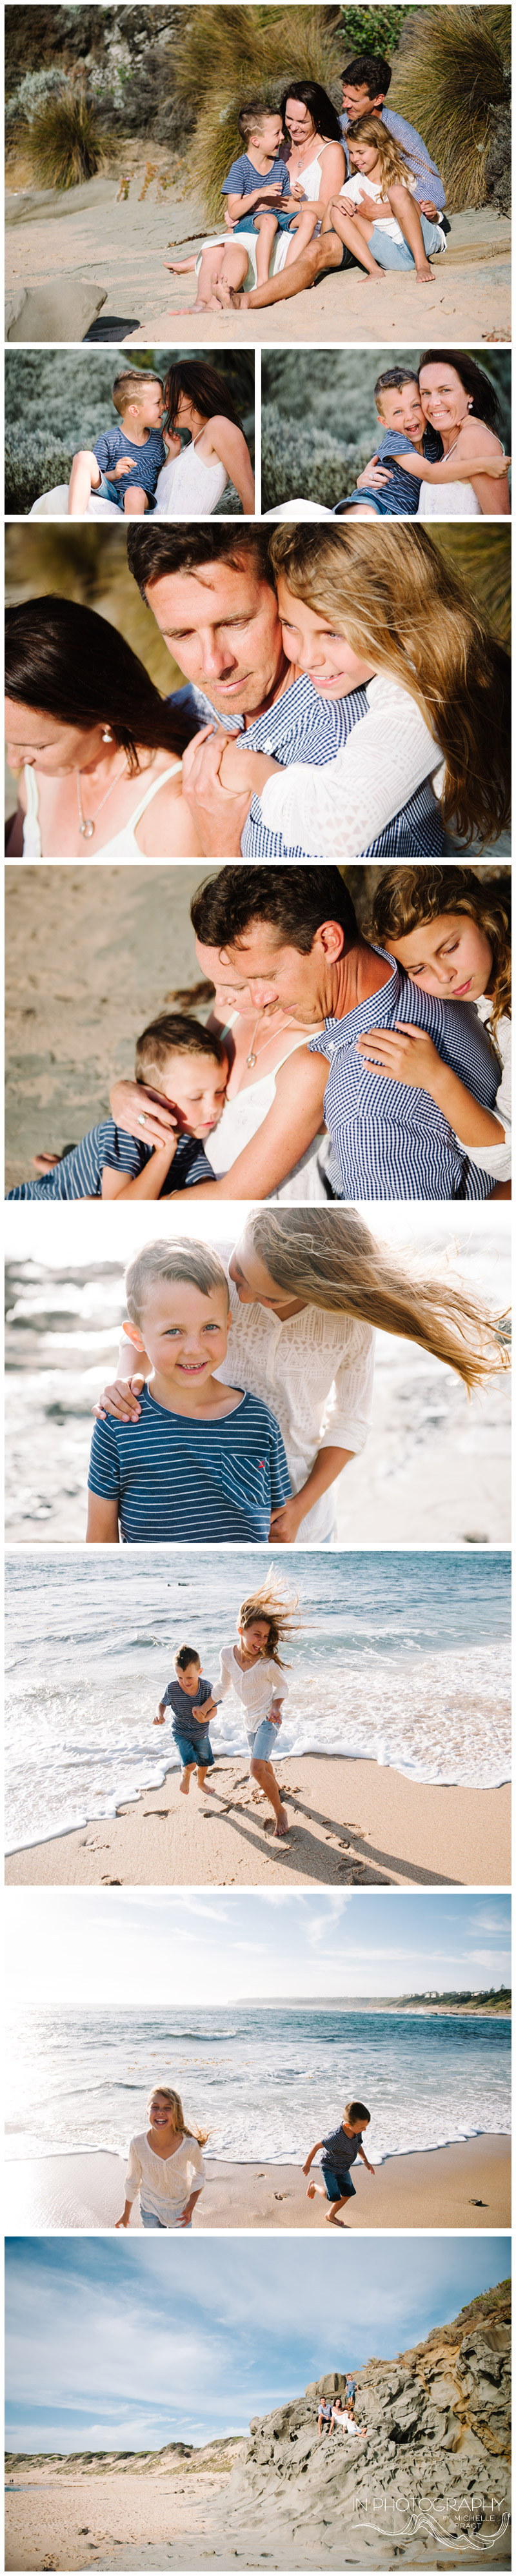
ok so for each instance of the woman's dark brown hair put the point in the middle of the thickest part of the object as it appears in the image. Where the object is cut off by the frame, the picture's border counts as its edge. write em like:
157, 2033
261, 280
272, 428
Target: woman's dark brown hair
70, 663
202, 386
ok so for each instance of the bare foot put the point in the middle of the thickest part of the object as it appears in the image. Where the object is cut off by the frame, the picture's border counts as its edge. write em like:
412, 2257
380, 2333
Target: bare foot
424, 276
281, 1826
311, 2191
207, 1788
330, 2221
184, 1784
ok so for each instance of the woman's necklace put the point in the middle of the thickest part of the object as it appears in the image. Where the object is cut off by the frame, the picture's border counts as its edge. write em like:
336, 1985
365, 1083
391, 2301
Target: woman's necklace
86, 826
254, 1052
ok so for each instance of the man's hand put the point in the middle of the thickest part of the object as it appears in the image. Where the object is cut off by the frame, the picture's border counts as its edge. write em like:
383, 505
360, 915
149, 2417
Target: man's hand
122, 1400
404, 1054
285, 1522
219, 812
426, 208
140, 1114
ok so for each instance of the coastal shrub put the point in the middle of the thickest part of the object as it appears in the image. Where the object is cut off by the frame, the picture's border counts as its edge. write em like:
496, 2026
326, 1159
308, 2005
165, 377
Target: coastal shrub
233, 52
451, 81
299, 459
63, 141
32, 94
370, 31
33, 464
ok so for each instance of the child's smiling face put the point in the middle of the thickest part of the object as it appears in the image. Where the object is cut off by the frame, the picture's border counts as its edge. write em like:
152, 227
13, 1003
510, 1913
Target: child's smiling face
450, 957
363, 156
189, 1677
184, 1332
254, 1640
195, 1086
315, 647
401, 409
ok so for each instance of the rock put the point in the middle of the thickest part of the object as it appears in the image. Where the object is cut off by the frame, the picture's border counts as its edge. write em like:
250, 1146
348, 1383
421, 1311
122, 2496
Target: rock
61, 311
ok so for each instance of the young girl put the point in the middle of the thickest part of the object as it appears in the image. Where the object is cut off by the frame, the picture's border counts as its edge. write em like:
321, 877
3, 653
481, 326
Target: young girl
450, 930
249, 1667
165, 2165
379, 616
396, 235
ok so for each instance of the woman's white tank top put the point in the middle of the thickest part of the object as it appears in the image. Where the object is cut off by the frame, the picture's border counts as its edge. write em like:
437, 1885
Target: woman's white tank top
450, 500
188, 488
241, 1119
124, 845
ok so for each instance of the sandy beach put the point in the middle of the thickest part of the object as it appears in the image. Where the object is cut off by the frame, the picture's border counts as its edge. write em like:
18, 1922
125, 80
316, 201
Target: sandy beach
464, 2185
122, 247
351, 1824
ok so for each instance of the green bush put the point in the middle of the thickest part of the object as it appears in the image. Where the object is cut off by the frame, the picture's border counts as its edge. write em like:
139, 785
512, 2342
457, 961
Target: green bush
63, 141
306, 463
451, 81
33, 464
231, 53
370, 31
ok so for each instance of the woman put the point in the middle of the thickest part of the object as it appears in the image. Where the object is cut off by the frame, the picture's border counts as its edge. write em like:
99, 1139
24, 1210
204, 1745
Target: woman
165, 2165
460, 404
87, 728
265, 1139
195, 478
315, 1288
380, 617
317, 163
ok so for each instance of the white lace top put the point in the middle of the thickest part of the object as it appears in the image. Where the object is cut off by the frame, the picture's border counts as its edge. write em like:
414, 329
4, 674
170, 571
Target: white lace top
348, 803
165, 2182
187, 487
255, 1688
315, 1371
124, 844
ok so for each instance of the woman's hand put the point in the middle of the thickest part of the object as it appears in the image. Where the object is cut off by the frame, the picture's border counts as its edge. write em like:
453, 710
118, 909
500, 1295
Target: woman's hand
404, 1054
140, 1115
172, 442
285, 1522
122, 1400
373, 475
122, 2222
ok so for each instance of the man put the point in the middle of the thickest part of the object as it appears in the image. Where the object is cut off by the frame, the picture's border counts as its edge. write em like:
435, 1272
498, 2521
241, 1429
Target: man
365, 83
211, 591
294, 938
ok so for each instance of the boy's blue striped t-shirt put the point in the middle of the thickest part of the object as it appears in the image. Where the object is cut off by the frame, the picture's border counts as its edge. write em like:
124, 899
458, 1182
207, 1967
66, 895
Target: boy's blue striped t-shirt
109, 1148
183, 1722
399, 498
174, 1477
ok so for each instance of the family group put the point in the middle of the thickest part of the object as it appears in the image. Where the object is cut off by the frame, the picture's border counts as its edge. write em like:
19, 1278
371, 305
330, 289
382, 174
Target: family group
355, 191
251, 1665
344, 697
439, 454
166, 2171
401, 1081
145, 465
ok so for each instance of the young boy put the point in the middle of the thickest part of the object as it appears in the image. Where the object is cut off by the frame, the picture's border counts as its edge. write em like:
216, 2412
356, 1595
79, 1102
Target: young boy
188, 1070
258, 191
204, 1462
406, 436
192, 1703
124, 464
339, 2151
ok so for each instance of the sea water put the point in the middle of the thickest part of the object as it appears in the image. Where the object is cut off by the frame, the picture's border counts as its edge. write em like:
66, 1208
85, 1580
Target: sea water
401, 1659
266, 2081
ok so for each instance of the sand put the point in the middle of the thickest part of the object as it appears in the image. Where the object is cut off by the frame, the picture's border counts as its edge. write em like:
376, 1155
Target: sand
123, 246
351, 1824
115, 2519
464, 2185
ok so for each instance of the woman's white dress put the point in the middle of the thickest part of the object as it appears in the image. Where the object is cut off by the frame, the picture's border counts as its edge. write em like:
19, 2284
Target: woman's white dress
165, 2182
124, 844
450, 500
240, 1121
188, 488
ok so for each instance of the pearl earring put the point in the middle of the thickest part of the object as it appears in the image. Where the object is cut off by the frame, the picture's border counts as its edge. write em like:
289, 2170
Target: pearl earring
106, 733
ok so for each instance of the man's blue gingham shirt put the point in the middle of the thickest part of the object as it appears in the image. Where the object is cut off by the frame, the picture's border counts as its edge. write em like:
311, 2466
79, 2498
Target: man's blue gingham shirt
389, 1141
305, 726
428, 183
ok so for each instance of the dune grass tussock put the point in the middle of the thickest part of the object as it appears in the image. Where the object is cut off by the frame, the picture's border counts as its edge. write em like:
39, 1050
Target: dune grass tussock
450, 80
483, 557
232, 53
63, 141
89, 564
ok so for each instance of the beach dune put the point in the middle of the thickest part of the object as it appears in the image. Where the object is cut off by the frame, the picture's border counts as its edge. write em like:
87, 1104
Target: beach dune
464, 2185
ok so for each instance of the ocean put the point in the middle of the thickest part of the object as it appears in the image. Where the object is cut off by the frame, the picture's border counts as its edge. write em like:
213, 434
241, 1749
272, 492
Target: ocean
403, 1659
264, 2080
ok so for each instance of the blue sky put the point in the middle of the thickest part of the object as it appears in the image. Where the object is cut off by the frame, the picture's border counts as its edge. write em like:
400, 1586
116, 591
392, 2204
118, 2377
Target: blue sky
84, 1947
133, 2343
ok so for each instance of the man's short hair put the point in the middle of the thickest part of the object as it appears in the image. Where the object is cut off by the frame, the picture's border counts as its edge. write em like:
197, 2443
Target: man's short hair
153, 553
293, 902
393, 380
252, 116
174, 1034
370, 72
185, 1655
176, 1262
129, 383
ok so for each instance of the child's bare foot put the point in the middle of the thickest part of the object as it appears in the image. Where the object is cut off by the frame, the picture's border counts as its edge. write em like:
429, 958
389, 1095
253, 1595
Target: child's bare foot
207, 1788
424, 276
281, 1826
311, 2191
332, 2220
184, 1783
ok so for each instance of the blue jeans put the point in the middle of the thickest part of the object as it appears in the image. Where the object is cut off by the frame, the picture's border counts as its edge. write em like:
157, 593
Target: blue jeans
148, 2219
263, 1743
396, 254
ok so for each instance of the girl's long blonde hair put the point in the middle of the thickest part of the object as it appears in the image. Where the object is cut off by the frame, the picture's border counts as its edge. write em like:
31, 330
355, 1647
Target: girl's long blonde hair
168, 2094
407, 897
394, 166
329, 1258
403, 607
281, 1608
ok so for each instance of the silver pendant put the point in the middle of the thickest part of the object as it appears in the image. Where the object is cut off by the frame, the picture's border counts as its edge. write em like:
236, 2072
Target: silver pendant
86, 831
251, 1059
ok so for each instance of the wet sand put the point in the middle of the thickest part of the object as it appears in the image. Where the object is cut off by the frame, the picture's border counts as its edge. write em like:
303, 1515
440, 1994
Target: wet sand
467, 2184
351, 1824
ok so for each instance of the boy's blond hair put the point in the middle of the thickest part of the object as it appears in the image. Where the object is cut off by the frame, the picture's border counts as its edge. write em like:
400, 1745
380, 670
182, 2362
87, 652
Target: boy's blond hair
177, 1261
128, 386
252, 116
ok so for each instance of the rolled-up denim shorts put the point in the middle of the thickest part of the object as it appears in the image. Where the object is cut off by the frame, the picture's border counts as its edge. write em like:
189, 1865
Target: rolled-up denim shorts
337, 2186
393, 254
248, 223
106, 491
264, 1741
149, 2219
195, 1750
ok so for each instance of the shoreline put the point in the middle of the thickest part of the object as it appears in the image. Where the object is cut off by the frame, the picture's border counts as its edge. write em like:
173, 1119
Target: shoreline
352, 1822
463, 2184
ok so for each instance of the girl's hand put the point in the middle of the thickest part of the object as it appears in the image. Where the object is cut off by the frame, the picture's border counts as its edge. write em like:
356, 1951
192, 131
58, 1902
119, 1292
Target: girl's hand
404, 1054
121, 2222
122, 1400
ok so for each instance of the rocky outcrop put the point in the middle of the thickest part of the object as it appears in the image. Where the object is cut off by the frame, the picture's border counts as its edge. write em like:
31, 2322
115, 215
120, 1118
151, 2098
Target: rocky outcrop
434, 2462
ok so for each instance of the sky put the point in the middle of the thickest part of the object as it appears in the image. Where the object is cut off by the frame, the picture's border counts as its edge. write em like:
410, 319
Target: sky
134, 2344
62, 1237
141, 1947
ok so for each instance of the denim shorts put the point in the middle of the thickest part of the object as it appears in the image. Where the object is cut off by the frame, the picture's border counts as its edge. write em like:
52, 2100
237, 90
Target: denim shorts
396, 254
106, 491
248, 223
195, 1749
263, 1742
149, 2219
337, 2186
